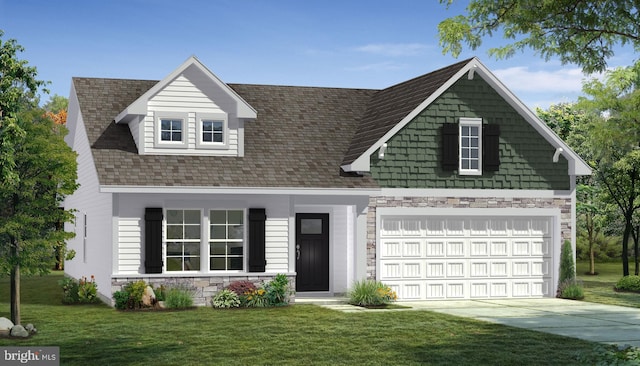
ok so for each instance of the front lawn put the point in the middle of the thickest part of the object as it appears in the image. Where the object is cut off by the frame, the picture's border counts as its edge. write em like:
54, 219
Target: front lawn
299, 334
599, 288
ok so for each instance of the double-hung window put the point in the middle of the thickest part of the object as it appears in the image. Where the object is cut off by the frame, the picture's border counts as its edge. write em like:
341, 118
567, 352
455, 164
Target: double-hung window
183, 240
226, 240
470, 145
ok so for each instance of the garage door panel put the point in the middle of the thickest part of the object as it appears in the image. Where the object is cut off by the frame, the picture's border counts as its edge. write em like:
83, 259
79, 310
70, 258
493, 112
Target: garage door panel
474, 257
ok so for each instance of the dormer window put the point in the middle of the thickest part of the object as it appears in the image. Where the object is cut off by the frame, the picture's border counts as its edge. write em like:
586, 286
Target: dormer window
212, 130
171, 130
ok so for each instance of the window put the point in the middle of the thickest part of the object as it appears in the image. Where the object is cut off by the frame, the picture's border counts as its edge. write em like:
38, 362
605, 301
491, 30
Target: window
183, 240
226, 240
171, 130
470, 146
212, 131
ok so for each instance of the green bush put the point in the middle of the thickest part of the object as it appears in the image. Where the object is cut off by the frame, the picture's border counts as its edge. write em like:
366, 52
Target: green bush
629, 283
371, 293
160, 293
277, 291
178, 298
69, 290
122, 300
572, 290
136, 290
225, 299
567, 265
88, 291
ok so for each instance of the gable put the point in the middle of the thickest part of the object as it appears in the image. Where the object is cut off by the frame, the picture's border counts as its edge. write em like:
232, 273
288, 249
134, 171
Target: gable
413, 156
190, 112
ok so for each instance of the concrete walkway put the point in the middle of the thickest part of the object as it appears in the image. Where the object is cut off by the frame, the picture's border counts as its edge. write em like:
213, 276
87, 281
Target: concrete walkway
578, 319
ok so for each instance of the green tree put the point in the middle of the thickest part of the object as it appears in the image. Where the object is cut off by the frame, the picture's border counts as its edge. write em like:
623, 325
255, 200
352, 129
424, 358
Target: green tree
56, 104
37, 169
582, 32
614, 105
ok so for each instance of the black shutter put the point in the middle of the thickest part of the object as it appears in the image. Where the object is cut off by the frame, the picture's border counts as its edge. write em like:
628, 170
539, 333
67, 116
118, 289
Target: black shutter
257, 218
153, 240
491, 147
450, 146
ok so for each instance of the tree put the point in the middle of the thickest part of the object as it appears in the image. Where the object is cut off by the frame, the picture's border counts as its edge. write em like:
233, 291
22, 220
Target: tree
582, 32
56, 109
614, 105
37, 169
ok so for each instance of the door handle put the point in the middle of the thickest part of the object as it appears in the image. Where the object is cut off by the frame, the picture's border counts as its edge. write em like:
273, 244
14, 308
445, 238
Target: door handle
297, 251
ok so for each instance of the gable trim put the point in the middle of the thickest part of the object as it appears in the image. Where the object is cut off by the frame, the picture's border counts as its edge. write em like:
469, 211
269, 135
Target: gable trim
139, 106
577, 166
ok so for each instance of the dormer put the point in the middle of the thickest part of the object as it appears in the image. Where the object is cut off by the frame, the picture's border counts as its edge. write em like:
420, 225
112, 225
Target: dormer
190, 112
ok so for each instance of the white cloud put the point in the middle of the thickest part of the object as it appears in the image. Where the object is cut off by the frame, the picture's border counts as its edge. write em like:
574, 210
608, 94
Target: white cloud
393, 49
380, 66
522, 79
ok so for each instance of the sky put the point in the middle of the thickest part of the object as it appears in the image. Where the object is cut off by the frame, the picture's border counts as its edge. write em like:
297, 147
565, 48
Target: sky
347, 43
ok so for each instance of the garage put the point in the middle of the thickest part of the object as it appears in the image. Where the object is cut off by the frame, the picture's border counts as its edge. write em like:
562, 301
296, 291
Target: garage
432, 257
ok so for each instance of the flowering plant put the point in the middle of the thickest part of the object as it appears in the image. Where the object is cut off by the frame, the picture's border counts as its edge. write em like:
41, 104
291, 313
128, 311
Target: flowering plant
371, 293
88, 290
256, 298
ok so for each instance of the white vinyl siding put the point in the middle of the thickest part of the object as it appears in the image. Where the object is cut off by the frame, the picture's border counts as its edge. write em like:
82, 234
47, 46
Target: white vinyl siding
184, 97
129, 248
277, 244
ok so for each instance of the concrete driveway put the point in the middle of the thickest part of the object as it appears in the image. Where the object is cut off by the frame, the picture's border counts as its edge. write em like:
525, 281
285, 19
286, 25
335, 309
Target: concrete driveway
578, 319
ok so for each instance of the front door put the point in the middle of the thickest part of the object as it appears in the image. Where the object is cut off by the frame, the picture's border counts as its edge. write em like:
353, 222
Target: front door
312, 252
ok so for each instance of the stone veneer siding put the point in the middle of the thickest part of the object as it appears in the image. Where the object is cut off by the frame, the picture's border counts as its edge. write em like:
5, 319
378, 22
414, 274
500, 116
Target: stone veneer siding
203, 287
564, 204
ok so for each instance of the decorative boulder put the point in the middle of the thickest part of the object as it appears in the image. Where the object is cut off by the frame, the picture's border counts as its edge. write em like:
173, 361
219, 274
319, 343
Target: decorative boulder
19, 331
30, 328
5, 326
148, 297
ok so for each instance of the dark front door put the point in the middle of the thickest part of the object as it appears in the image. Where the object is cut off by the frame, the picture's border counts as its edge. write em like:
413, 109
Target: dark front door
312, 252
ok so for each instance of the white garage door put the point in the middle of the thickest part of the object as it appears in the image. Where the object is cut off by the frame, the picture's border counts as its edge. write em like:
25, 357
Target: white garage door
435, 258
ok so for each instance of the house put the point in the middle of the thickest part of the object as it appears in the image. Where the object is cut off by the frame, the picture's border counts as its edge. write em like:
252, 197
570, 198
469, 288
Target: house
445, 186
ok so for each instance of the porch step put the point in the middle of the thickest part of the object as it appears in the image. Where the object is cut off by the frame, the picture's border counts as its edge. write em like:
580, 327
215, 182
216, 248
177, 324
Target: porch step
321, 300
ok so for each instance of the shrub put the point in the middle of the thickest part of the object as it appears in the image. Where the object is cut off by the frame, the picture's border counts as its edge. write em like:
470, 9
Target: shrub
241, 288
567, 265
278, 291
371, 293
122, 300
161, 293
69, 290
88, 290
225, 299
571, 290
178, 298
135, 290
257, 298
629, 283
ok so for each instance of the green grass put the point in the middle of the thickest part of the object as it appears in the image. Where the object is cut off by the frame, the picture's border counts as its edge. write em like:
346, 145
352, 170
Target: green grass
299, 334
599, 288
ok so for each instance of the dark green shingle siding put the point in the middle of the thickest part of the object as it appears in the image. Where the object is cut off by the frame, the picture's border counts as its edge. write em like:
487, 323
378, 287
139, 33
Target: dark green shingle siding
412, 159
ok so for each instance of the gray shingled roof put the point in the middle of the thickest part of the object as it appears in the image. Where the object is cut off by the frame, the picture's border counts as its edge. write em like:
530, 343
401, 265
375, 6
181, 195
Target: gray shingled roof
298, 140
389, 106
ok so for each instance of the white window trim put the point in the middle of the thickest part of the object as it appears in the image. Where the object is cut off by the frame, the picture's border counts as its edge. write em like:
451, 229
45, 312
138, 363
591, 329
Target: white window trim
244, 241
165, 239
221, 117
159, 116
470, 122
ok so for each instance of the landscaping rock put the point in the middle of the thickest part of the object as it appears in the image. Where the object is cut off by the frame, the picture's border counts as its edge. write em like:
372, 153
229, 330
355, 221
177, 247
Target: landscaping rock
148, 297
6, 323
19, 331
30, 328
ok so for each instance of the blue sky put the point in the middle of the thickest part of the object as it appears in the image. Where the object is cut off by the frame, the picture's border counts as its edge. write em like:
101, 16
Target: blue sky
359, 44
